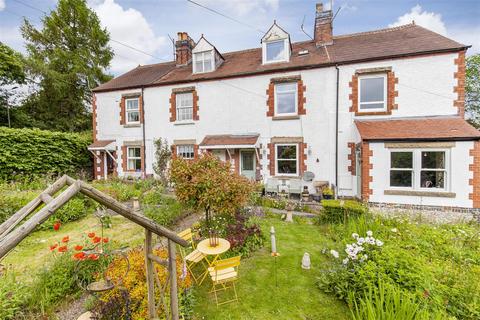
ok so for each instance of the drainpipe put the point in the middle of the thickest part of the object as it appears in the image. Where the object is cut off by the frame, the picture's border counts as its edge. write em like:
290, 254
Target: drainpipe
143, 133
336, 133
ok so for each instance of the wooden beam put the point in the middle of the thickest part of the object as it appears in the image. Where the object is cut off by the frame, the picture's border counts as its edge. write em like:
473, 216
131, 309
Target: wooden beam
152, 311
128, 213
13, 238
158, 260
21, 214
172, 268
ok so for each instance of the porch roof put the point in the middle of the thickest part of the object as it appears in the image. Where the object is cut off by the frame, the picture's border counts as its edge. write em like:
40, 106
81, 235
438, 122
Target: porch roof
102, 145
224, 141
419, 128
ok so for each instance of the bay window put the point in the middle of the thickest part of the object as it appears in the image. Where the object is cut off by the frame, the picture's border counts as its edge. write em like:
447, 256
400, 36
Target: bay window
286, 98
185, 151
184, 104
286, 159
373, 93
419, 169
134, 159
132, 110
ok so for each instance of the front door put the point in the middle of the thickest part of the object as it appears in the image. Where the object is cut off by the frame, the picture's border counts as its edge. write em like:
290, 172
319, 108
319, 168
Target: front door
247, 163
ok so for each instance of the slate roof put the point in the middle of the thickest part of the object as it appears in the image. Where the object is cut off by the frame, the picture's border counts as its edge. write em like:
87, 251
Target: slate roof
407, 40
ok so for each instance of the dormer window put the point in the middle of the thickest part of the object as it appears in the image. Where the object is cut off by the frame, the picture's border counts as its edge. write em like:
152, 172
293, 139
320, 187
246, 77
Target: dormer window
203, 61
276, 45
276, 51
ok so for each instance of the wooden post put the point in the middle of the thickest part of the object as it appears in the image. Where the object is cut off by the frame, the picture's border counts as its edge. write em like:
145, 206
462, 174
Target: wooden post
152, 312
13, 238
172, 268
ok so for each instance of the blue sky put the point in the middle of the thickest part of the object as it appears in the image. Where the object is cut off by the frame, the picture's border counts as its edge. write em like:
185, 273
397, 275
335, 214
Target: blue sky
146, 24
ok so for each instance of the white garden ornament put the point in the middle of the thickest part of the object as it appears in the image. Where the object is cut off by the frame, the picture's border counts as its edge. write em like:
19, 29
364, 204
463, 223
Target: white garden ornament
306, 264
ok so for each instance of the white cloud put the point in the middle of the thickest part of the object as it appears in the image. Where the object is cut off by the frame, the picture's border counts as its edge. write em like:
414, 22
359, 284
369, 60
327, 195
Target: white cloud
430, 20
433, 21
242, 7
2, 5
128, 26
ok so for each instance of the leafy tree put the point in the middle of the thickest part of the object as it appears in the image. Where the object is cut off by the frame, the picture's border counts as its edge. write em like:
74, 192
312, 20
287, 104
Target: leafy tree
163, 153
11, 74
472, 89
67, 57
208, 184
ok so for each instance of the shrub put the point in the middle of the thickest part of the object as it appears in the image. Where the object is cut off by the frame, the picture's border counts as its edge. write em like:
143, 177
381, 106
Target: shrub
11, 202
73, 210
340, 210
135, 284
34, 152
163, 154
125, 190
166, 212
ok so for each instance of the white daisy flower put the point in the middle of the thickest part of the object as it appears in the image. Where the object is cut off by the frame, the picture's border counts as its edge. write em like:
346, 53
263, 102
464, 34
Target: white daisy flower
334, 254
369, 233
379, 243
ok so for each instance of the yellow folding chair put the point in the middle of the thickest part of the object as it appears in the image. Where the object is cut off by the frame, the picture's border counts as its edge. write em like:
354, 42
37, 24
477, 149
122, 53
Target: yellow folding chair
224, 273
192, 258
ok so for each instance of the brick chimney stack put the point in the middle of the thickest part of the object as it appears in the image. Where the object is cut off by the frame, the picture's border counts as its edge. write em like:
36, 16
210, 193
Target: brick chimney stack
323, 26
183, 48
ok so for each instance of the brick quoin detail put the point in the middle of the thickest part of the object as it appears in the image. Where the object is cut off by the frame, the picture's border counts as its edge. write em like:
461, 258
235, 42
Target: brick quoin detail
475, 169
302, 149
391, 95
122, 111
366, 167
124, 158
173, 105
271, 158
94, 117
459, 89
352, 157
302, 100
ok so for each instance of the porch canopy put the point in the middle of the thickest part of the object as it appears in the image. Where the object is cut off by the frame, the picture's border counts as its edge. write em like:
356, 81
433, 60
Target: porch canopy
230, 141
102, 145
417, 129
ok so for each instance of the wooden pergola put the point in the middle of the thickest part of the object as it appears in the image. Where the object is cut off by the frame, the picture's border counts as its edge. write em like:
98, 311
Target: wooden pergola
12, 233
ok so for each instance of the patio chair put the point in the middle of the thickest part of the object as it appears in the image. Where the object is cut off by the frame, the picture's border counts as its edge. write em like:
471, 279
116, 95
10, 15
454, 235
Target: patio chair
272, 186
295, 187
224, 273
192, 258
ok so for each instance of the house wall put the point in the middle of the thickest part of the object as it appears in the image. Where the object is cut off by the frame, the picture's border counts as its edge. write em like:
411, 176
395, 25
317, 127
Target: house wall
238, 106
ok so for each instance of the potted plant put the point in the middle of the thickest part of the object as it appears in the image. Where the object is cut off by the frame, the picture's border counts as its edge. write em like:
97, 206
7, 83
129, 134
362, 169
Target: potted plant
327, 193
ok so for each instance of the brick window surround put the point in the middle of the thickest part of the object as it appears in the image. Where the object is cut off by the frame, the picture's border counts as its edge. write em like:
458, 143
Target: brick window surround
352, 158
301, 88
173, 103
391, 92
366, 167
475, 169
459, 89
123, 113
124, 156
302, 150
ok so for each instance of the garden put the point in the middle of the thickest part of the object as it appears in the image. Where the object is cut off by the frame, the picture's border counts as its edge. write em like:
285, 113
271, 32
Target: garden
356, 264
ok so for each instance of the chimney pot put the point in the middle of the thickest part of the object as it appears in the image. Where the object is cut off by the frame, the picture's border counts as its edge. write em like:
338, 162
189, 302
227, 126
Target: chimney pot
183, 48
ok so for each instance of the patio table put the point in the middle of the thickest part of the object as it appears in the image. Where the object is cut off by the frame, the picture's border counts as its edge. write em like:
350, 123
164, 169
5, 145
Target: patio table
205, 248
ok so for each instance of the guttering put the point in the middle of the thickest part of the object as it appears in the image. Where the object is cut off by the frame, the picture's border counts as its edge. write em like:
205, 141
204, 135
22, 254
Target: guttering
143, 133
287, 69
336, 130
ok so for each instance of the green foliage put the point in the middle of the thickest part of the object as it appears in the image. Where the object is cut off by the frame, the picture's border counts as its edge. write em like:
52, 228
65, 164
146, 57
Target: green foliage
166, 211
472, 89
341, 210
11, 202
35, 152
208, 184
274, 203
69, 54
12, 296
163, 154
73, 210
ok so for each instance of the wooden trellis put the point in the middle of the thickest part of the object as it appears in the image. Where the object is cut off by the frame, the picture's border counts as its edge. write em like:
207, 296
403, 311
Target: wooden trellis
11, 234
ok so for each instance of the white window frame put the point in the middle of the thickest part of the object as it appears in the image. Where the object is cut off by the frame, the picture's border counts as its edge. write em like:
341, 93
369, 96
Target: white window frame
202, 54
412, 170
276, 99
134, 158
178, 107
127, 111
181, 153
385, 91
296, 174
417, 169
285, 50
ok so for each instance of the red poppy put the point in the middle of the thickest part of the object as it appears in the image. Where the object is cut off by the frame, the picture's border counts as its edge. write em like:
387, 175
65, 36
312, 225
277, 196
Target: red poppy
78, 247
53, 246
56, 226
105, 240
62, 249
93, 256
91, 234
66, 239
96, 240
80, 256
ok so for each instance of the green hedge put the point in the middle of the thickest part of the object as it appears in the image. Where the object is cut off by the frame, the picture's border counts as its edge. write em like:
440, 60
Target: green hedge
34, 152
341, 210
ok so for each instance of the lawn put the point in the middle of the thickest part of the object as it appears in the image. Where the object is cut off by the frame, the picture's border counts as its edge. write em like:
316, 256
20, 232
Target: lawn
295, 297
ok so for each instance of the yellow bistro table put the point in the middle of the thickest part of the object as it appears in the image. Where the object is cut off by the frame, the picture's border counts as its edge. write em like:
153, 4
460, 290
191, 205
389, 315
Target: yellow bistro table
215, 252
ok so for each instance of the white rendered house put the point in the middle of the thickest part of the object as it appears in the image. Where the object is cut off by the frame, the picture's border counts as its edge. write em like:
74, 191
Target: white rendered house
379, 115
